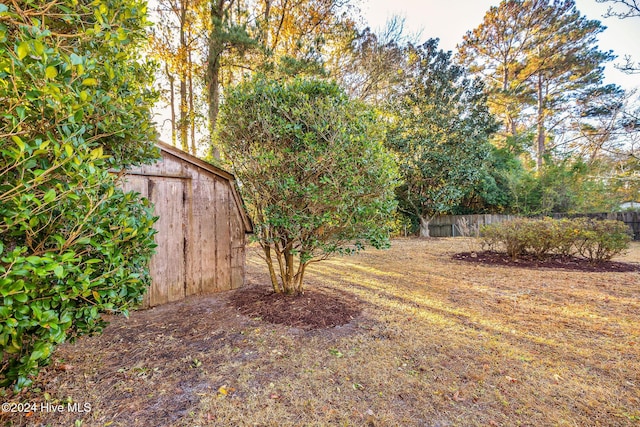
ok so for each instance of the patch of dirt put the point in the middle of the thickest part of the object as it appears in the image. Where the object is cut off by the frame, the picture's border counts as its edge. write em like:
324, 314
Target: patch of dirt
152, 368
144, 370
316, 308
554, 262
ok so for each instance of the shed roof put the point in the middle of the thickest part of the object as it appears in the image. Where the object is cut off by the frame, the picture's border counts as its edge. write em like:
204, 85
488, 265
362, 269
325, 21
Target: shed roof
214, 170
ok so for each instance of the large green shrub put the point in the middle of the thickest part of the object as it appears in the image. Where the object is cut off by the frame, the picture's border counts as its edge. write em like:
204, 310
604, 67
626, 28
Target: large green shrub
313, 170
75, 104
596, 240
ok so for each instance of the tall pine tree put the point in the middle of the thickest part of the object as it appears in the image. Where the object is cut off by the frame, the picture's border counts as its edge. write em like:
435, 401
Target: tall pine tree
539, 58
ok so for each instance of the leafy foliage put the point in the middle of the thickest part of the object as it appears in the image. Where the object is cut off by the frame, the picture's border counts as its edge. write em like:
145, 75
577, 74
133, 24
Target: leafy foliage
76, 104
495, 191
602, 240
313, 171
207, 45
440, 131
562, 186
596, 240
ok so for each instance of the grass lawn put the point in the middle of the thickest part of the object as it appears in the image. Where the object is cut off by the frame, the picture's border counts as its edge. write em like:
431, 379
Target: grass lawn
438, 343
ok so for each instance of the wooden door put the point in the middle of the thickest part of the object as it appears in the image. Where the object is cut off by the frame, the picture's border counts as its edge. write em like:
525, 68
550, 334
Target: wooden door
168, 265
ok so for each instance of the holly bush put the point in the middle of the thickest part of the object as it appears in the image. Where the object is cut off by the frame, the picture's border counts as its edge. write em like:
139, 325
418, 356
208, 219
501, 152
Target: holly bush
76, 108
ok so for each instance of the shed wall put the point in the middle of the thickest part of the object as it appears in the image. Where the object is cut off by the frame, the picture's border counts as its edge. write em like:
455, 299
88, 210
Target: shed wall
201, 237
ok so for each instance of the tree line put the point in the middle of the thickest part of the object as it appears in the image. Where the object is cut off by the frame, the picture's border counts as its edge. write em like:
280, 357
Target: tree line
563, 141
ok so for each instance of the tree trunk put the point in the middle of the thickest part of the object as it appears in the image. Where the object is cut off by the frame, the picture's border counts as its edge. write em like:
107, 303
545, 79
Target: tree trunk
172, 102
300, 277
214, 52
509, 123
192, 119
184, 108
424, 227
540, 136
291, 278
288, 281
265, 27
272, 272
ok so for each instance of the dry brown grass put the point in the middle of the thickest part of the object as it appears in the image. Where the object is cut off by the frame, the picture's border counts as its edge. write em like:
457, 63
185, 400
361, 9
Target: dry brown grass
439, 343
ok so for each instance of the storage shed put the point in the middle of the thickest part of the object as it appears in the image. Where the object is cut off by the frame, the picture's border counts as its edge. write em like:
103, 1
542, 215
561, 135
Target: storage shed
201, 227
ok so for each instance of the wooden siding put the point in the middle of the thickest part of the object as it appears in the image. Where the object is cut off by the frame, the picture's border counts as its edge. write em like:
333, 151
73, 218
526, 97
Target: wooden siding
238, 255
201, 227
223, 234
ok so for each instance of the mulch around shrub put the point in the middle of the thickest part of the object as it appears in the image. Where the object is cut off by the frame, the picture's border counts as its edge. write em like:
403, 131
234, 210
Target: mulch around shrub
554, 262
316, 308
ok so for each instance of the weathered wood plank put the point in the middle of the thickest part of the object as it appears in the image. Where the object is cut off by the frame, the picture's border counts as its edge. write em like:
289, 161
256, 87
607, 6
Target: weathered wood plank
223, 237
208, 238
138, 184
238, 242
203, 262
168, 265
191, 235
237, 268
194, 250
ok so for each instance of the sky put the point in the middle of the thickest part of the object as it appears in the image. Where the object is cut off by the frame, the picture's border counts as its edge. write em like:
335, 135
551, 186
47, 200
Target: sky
449, 20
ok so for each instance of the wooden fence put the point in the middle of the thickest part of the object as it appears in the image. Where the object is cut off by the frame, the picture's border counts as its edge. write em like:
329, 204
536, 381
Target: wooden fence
454, 225
465, 225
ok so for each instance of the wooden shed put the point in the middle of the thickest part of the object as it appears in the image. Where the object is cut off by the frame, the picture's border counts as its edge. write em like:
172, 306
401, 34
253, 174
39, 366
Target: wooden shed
201, 227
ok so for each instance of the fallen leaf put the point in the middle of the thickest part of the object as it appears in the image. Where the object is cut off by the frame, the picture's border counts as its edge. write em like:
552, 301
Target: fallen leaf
456, 396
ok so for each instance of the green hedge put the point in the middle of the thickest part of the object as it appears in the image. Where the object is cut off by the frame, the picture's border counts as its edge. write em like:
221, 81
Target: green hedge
75, 103
595, 240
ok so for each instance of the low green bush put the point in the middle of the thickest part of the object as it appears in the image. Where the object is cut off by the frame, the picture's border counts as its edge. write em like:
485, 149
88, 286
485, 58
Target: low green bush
540, 237
595, 240
507, 235
565, 237
601, 240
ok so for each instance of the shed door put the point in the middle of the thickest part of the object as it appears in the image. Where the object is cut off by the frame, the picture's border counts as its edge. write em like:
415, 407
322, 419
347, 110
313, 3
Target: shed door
168, 265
